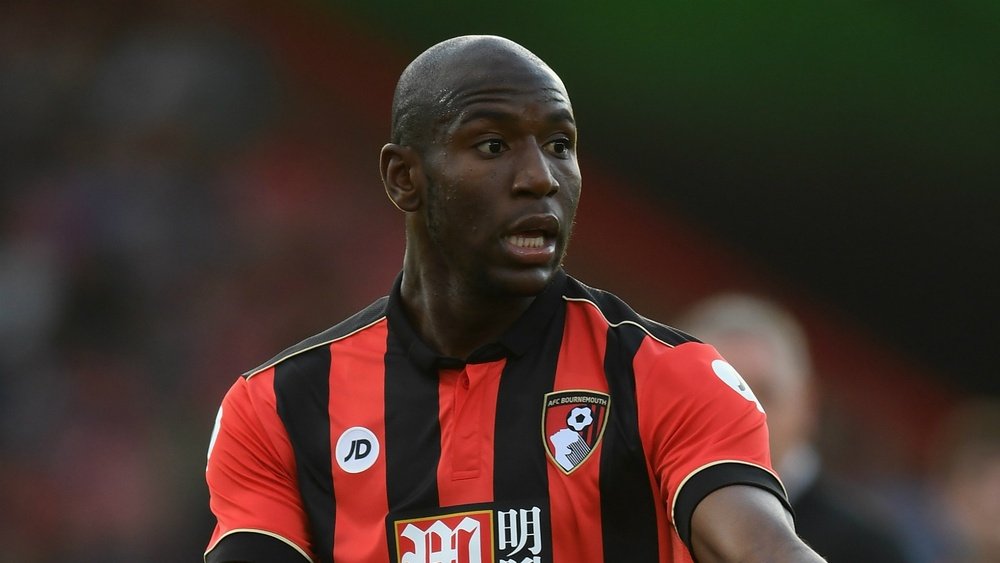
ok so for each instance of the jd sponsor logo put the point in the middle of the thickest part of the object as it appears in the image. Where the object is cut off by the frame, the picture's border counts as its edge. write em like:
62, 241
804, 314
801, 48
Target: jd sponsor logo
357, 449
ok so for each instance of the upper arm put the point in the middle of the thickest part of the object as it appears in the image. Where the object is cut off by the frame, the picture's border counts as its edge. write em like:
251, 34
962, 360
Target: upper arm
252, 480
741, 523
702, 429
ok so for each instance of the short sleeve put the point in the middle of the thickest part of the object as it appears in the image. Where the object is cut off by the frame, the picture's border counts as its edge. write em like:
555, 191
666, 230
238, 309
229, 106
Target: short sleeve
251, 478
701, 426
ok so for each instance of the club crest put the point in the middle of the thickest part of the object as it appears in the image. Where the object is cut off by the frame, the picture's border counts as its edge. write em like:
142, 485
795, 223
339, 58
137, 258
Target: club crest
572, 425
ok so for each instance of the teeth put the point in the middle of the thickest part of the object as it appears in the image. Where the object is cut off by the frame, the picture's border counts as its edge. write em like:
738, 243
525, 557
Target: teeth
526, 242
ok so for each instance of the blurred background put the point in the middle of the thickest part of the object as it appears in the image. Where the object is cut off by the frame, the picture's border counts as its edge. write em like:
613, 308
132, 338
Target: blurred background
186, 188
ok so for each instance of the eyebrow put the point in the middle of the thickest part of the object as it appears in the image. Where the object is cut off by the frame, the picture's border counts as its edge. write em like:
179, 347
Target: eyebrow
561, 115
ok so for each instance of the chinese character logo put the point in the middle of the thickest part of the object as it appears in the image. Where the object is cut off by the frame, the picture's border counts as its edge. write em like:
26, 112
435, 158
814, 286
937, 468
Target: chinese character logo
572, 425
519, 535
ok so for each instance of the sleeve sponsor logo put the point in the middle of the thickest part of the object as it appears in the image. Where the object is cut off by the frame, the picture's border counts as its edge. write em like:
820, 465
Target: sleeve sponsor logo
572, 426
472, 536
727, 373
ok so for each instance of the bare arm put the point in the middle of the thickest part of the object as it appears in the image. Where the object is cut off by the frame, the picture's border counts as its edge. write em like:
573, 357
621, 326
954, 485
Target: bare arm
746, 524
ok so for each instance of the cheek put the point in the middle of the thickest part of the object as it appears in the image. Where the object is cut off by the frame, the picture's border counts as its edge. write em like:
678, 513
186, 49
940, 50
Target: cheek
569, 172
569, 188
458, 210
468, 192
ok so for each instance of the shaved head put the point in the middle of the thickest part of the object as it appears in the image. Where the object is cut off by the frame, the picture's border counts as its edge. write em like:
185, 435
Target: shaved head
425, 96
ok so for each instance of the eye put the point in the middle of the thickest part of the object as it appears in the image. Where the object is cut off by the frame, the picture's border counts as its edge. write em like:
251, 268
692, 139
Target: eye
492, 146
559, 147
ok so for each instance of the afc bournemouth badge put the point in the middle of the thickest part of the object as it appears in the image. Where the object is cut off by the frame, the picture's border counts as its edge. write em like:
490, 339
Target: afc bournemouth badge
572, 425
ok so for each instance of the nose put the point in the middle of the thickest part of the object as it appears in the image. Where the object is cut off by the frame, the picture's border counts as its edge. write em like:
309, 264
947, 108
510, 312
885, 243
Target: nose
534, 173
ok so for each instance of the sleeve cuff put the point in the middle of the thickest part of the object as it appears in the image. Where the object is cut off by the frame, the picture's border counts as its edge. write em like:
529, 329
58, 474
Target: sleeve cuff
710, 478
254, 547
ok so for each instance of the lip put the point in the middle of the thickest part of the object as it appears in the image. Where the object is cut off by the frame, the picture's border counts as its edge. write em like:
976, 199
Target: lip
545, 223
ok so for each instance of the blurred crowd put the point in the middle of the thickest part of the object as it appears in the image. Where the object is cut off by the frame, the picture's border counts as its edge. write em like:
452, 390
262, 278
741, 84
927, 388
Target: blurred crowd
174, 206
172, 212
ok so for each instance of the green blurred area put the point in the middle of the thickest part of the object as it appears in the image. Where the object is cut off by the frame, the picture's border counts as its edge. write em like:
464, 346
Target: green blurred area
900, 70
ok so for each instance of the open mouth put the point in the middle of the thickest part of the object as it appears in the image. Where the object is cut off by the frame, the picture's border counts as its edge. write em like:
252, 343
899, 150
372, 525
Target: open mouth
526, 240
530, 247
532, 239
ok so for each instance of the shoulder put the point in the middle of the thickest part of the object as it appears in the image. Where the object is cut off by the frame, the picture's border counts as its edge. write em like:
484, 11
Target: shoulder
356, 324
659, 355
619, 316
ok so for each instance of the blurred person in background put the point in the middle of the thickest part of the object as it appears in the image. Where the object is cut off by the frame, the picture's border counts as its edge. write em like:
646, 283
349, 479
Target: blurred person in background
967, 482
770, 350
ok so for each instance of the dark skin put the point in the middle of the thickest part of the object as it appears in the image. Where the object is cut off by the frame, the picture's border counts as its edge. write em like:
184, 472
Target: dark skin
489, 205
502, 166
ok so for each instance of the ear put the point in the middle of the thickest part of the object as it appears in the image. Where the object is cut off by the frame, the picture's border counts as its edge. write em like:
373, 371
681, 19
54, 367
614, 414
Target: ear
402, 176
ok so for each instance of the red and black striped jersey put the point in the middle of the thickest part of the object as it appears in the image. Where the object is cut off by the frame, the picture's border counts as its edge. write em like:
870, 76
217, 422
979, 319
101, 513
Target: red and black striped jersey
586, 433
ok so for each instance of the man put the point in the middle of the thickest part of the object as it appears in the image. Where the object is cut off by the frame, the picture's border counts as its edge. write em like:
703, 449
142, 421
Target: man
770, 350
491, 408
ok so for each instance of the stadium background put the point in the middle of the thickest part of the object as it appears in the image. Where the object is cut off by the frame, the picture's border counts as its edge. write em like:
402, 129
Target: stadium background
189, 187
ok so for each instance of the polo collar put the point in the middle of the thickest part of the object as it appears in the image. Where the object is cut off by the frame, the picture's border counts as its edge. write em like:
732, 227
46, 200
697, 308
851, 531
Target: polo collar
527, 331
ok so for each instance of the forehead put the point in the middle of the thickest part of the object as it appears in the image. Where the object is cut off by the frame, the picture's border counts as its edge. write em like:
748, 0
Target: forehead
506, 83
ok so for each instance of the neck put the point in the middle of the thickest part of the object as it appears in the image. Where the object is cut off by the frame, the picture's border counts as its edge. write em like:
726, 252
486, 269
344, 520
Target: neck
453, 318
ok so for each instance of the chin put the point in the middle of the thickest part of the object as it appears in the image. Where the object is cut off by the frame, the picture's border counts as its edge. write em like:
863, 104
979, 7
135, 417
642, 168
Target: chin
522, 283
